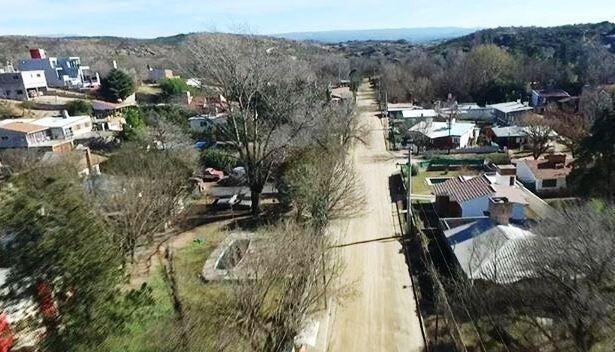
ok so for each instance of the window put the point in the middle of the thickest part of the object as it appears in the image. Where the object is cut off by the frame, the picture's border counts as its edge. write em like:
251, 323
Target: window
512, 181
19, 92
38, 75
549, 183
16, 77
4, 138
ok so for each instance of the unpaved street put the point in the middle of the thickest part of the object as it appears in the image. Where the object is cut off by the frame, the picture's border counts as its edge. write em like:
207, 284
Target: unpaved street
381, 316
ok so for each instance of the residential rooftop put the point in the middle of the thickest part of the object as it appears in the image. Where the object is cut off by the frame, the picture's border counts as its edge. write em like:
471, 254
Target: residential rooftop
434, 129
513, 106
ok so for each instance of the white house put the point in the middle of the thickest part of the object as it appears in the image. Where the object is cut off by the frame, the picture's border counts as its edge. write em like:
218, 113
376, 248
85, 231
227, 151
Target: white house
468, 196
204, 123
60, 72
67, 127
489, 247
22, 85
444, 135
544, 175
509, 113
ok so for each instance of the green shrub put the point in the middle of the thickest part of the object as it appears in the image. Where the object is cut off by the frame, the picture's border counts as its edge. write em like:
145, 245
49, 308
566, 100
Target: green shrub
218, 159
79, 107
498, 158
173, 87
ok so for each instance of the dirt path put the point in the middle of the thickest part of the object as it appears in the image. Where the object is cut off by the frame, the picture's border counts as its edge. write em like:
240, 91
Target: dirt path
381, 316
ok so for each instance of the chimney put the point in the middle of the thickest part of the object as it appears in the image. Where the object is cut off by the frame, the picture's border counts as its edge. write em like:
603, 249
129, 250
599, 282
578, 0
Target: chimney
500, 210
188, 97
505, 175
149, 68
557, 159
115, 64
37, 53
65, 114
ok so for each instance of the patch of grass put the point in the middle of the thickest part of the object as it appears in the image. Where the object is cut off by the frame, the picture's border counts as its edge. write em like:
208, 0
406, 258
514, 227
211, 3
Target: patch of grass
156, 328
419, 186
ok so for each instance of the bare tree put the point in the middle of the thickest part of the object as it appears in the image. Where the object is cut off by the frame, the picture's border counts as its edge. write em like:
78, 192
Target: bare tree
571, 128
539, 134
323, 186
274, 99
285, 288
552, 291
142, 192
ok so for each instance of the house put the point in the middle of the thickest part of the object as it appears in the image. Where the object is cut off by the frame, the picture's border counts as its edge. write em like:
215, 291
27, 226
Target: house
212, 105
491, 248
544, 175
205, 123
49, 133
86, 162
158, 75
341, 94
60, 72
444, 135
510, 137
542, 98
66, 127
510, 113
468, 196
109, 116
395, 110
467, 111
22, 85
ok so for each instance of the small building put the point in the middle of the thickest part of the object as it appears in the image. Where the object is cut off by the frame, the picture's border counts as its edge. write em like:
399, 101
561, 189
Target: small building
491, 248
158, 75
60, 72
108, 115
509, 137
544, 175
510, 113
341, 94
467, 111
468, 196
86, 162
66, 127
205, 123
542, 98
22, 85
208, 105
445, 135
395, 110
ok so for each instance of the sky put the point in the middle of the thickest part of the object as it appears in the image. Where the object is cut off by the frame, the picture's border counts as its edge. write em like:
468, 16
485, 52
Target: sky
154, 18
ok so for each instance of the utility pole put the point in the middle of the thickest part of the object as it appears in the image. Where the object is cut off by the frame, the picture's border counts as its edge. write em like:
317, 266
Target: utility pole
409, 192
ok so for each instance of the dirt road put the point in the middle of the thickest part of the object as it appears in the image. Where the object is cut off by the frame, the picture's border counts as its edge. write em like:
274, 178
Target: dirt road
381, 316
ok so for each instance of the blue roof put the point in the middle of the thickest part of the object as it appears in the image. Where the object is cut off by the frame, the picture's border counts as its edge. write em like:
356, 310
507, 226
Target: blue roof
474, 229
200, 145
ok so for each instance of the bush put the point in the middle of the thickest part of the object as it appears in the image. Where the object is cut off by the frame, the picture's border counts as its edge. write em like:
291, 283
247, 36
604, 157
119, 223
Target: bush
414, 170
218, 159
79, 107
173, 87
498, 158
117, 85
135, 124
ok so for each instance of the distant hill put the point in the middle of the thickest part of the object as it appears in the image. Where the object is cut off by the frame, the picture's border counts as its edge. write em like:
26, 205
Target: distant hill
564, 43
132, 55
412, 35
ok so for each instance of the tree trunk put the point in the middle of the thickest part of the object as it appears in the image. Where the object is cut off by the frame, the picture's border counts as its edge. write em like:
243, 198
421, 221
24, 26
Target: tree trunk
255, 197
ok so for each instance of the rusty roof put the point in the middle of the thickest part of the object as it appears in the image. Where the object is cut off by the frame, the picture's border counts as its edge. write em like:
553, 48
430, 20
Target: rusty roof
23, 127
461, 189
544, 169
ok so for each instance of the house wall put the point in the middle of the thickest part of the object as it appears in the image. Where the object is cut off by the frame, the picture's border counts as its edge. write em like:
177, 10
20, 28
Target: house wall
12, 139
560, 185
48, 65
12, 86
199, 125
34, 79
524, 174
475, 207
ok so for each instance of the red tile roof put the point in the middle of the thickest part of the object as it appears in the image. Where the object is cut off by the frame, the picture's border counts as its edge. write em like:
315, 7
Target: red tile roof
460, 190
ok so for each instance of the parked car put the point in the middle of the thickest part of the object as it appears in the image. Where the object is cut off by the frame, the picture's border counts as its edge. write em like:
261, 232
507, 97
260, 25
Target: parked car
211, 174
